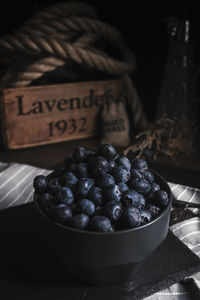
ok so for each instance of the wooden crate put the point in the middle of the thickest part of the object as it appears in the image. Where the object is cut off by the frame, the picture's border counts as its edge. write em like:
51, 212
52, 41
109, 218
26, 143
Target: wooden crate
47, 114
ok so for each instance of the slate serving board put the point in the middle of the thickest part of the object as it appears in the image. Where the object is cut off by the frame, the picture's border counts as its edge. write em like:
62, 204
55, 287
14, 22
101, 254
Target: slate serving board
30, 270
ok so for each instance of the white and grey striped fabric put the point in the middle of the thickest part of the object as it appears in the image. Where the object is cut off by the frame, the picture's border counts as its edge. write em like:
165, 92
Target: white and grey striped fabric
16, 183
16, 187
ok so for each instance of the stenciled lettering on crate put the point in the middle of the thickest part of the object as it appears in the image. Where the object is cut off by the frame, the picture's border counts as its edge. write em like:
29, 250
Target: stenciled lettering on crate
39, 115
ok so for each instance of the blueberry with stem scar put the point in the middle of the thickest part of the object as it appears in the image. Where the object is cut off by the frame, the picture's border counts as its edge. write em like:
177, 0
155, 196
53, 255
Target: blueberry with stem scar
112, 210
112, 192
124, 162
121, 174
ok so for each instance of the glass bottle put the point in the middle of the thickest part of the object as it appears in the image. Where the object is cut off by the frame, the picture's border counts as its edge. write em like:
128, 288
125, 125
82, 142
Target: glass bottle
178, 90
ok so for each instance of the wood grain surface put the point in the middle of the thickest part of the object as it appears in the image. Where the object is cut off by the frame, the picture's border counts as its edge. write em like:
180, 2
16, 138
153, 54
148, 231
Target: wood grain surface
47, 114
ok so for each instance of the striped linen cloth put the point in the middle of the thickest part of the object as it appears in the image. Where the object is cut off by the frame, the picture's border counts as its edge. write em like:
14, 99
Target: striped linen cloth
16, 187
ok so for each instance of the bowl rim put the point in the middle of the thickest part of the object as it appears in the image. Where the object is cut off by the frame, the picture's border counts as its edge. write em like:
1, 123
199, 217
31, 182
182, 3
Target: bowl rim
118, 232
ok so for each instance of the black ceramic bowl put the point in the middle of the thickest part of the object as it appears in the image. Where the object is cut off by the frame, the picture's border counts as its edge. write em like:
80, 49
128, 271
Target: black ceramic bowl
106, 258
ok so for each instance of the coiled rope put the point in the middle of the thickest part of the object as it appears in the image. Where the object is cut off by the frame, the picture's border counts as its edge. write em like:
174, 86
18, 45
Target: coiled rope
68, 41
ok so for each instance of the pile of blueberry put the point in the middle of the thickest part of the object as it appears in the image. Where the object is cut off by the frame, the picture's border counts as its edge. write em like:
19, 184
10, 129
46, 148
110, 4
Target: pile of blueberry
101, 191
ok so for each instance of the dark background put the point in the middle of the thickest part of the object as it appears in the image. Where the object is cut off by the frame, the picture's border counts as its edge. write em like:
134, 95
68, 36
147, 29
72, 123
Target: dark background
140, 22
142, 26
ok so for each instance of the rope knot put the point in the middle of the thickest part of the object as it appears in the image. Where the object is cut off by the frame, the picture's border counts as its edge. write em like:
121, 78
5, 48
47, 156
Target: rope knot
63, 43
65, 36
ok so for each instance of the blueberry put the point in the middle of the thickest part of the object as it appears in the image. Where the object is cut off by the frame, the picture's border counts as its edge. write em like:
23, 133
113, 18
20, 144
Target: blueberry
107, 151
154, 187
82, 170
123, 186
80, 221
79, 154
91, 182
141, 186
121, 174
40, 183
54, 186
62, 213
146, 216
46, 202
45, 197
124, 161
95, 195
98, 165
136, 173
112, 210
155, 210
85, 206
130, 217
69, 179
112, 165
132, 198
148, 175
64, 196
112, 192
104, 180
101, 224
160, 198
83, 186
139, 163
